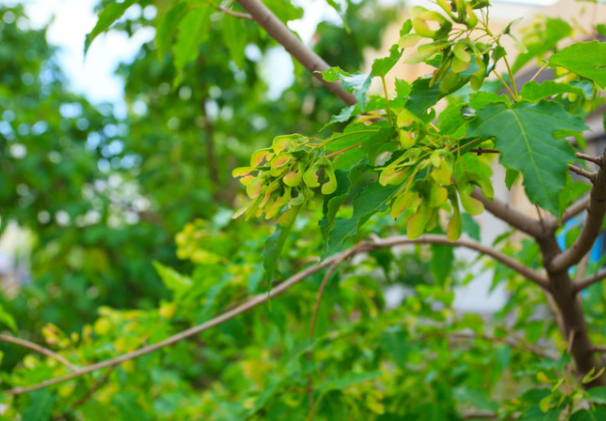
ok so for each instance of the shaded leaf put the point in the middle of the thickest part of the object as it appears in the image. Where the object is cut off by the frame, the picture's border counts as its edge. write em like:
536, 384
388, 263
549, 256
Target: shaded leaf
40, 407
525, 136
110, 13
193, 31
587, 59
533, 91
167, 27
275, 242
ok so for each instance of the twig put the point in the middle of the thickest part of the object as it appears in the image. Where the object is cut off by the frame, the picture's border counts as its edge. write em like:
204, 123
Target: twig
480, 151
257, 300
516, 344
90, 392
510, 215
278, 31
40, 349
591, 228
595, 159
599, 348
312, 325
590, 280
229, 11
583, 173
480, 416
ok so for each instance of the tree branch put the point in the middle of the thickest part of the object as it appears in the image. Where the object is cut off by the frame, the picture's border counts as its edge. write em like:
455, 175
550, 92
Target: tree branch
515, 344
278, 31
40, 349
583, 173
512, 216
595, 159
591, 228
284, 286
590, 280
575, 209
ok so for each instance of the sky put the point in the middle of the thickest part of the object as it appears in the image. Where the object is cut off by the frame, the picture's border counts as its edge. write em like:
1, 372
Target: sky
93, 75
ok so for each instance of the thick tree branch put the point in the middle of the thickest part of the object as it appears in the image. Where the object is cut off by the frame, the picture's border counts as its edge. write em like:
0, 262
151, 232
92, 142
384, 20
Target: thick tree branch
284, 286
40, 349
590, 280
278, 31
512, 216
591, 228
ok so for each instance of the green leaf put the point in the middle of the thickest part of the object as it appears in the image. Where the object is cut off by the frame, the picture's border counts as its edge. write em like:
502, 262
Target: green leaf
599, 414
285, 10
342, 13
7, 319
587, 59
543, 41
371, 199
234, 36
275, 242
525, 136
393, 342
40, 406
511, 176
358, 82
107, 17
597, 395
479, 100
167, 27
193, 31
348, 380
381, 66
127, 406
470, 226
172, 279
533, 91
441, 262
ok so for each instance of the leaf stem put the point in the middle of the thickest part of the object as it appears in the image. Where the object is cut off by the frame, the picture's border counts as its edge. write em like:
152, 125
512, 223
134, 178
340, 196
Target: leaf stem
386, 101
513, 79
505, 84
539, 72
332, 139
342, 150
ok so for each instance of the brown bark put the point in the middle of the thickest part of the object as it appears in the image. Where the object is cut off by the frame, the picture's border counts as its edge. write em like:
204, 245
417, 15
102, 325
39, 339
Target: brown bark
278, 31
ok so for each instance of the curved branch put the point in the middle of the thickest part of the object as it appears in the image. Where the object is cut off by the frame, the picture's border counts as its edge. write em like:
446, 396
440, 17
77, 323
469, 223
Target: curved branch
512, 216
40, 349
590, 280
284, 286
576, 209
591, 228
512, 263
278, 31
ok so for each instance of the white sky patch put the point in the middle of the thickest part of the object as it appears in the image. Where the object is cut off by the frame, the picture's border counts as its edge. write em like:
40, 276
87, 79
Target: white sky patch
70, 21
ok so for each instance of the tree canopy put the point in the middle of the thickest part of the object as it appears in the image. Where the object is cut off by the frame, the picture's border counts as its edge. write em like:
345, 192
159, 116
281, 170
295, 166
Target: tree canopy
161, 288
